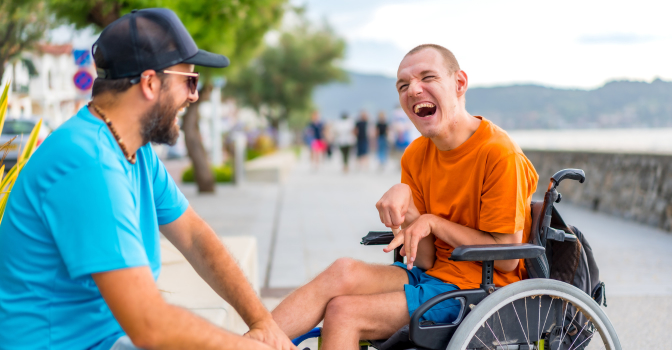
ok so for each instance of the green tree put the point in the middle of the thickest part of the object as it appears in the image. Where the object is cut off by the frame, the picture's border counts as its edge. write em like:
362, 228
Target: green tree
234, 28
22, 24
279, 83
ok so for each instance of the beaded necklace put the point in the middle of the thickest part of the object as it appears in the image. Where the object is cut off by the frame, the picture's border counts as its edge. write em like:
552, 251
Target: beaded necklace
130, 158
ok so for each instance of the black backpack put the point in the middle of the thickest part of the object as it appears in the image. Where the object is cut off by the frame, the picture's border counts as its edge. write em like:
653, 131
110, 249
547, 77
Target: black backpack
567, 259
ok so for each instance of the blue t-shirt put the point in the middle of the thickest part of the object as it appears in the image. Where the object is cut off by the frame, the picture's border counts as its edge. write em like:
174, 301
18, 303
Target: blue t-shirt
78, 207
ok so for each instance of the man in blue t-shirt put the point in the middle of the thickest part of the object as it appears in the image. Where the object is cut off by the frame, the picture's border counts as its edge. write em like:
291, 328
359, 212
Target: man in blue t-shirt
79, 242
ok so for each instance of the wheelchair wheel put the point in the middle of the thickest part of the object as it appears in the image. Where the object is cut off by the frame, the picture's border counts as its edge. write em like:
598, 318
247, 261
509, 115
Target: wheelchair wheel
536, 314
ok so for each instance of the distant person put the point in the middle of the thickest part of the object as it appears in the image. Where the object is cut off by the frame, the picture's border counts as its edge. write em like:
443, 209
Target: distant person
381, 138
401, 128
328, 139
344, 138
317, 143
362, 133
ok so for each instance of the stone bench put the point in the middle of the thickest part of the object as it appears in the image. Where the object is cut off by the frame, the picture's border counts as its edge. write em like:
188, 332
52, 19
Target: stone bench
272, 168
180, 284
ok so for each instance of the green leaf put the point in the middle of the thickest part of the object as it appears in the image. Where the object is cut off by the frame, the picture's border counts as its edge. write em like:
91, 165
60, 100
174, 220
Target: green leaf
6, 180
3, 105
32, 142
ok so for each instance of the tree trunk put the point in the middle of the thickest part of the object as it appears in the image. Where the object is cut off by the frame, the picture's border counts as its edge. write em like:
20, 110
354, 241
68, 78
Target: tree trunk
192, 135
103, 13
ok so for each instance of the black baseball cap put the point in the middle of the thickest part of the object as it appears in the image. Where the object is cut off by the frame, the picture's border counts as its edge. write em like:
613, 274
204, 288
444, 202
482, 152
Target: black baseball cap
153, 38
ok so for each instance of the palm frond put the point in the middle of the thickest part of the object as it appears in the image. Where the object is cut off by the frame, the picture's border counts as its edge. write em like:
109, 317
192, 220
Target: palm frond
4, 148
3, 105
31, 144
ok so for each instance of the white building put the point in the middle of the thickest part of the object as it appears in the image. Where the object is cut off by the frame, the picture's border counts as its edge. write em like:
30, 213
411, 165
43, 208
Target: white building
42, 85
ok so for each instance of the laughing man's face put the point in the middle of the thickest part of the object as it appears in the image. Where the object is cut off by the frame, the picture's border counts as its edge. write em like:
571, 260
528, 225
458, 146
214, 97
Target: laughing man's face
427, 92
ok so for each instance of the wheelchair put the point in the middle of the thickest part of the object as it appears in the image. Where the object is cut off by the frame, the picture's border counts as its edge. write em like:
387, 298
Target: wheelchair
532, 314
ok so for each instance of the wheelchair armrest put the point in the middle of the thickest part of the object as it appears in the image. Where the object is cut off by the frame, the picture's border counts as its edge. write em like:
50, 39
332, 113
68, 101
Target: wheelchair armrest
378, 238
492, 252
383, 238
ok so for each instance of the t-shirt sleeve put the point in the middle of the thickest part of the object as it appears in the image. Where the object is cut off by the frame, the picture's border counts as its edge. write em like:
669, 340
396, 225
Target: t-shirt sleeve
169, 201
94, 220
505, 195
408, 179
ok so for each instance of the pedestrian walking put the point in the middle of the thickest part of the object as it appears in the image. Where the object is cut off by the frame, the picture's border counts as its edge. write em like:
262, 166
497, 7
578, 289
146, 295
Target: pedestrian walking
344, 137
381, 138
361, 131
328, 138
316, 137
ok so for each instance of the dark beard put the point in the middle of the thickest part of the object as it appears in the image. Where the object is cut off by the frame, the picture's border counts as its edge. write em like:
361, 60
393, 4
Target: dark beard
158, 124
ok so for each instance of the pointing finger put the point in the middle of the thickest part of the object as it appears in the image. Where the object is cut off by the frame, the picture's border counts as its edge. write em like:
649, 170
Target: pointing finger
397, 241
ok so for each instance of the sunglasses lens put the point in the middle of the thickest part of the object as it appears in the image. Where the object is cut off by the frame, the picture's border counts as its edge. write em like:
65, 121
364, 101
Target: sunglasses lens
193, 84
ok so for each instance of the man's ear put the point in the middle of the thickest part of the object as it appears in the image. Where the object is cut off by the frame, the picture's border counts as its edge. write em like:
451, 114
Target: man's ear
149, 84
461, 83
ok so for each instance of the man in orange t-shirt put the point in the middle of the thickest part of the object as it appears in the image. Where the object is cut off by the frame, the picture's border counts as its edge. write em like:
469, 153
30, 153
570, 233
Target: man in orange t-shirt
464, 182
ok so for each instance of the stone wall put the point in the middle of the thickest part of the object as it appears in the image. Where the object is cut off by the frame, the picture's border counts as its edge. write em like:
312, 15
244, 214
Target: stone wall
633, 186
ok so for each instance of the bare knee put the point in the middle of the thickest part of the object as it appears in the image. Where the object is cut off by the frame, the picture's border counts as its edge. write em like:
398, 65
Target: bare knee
344, 275
339, 310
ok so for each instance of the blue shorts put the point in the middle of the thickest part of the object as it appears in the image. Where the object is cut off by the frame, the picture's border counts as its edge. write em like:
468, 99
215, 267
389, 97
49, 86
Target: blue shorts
422, 287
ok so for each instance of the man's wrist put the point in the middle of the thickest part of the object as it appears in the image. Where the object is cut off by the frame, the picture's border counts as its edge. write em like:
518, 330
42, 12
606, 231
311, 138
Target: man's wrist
262, 322
431, 221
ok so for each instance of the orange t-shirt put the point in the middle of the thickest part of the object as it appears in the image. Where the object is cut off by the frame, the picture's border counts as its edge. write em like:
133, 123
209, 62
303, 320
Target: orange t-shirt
486, 183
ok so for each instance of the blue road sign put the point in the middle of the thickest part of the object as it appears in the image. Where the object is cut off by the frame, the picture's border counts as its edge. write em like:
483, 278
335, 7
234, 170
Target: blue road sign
83, 80
82, 57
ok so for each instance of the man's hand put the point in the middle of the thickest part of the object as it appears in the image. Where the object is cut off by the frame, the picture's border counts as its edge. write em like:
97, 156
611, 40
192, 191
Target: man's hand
268, 332
411, 236
396, 207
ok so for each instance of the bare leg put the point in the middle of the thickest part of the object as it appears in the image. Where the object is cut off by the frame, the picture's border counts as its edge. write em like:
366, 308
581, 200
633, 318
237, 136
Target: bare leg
353, 317
305, 308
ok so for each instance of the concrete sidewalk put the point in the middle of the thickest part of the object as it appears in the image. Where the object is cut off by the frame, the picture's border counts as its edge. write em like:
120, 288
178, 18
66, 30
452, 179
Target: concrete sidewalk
316, 216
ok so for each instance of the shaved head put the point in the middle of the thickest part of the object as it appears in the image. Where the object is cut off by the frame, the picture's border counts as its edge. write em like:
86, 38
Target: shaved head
448, 57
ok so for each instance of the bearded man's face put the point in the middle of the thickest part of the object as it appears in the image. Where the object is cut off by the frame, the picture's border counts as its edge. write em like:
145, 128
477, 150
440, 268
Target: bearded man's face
159, 124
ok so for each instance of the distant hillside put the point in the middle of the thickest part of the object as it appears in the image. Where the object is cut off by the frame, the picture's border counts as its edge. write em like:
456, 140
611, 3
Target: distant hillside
617, 104
370, 92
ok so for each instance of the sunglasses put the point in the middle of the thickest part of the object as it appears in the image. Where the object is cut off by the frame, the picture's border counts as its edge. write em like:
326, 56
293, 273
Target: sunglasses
192, 78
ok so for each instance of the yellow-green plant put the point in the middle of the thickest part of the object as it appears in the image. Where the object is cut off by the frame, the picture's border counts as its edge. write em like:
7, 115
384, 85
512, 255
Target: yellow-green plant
7, 182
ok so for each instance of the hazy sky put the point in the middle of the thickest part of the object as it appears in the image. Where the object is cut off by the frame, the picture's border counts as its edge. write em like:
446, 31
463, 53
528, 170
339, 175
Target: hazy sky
556, 43
565, 44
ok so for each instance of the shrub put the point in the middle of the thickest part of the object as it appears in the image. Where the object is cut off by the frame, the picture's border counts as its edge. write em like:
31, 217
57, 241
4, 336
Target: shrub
253, 153
222, 173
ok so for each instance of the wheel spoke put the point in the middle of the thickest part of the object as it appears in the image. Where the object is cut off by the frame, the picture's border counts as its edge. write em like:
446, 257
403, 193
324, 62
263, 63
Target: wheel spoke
527, 322
502, 325
539, 320
494, 335
545, 319
520, 323
564, 317
585, 340
570, 323
479, 339
577, 334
